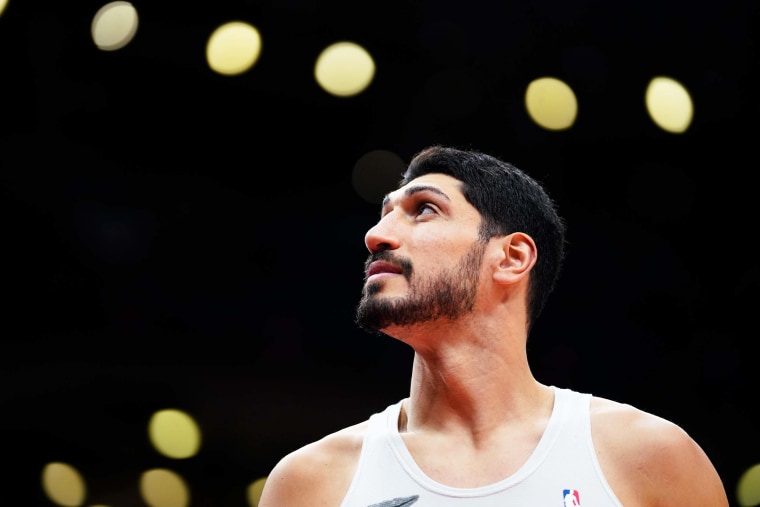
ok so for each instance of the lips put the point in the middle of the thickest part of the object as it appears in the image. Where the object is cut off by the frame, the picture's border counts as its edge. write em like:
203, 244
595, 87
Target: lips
379, 267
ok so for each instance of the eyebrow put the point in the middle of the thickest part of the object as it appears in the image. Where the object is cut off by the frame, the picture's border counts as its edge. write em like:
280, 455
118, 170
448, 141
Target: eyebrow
410, 191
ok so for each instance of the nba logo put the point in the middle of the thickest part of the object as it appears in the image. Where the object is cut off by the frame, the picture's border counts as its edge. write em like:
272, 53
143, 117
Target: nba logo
572, 498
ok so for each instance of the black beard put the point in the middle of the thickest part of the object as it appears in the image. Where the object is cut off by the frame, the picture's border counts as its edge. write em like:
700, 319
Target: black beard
448, 296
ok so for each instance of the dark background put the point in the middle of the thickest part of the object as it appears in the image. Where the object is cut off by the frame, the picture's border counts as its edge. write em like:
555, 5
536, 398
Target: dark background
176, 238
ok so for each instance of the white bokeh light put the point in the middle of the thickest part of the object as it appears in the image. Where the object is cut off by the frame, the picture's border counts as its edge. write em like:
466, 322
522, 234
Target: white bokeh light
114, 25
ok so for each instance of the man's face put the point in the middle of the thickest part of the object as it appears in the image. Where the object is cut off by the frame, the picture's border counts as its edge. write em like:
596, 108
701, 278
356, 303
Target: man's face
425, 256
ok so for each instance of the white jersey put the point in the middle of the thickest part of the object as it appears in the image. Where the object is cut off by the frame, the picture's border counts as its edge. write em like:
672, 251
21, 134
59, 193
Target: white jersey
562, 471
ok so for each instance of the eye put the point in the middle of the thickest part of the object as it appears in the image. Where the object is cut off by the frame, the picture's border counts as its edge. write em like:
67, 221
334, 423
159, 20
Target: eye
425, 208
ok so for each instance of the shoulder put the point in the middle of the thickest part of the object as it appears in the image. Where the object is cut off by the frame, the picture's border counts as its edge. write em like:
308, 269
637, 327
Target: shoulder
318, 473
651, 459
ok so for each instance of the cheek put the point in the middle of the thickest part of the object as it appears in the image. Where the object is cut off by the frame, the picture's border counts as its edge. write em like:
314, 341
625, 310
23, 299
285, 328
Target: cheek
433, 250
450, 241
435, 262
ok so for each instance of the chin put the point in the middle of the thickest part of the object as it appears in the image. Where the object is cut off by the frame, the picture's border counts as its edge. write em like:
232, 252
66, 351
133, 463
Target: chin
372, 288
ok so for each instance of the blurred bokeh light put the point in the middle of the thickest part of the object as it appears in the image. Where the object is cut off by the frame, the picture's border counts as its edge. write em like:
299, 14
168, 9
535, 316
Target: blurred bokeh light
63, 484
344, 69
114, 25
669, 104
174, 433
376, 173
551, 103
748, 487
233, 48
161, 487
253, 493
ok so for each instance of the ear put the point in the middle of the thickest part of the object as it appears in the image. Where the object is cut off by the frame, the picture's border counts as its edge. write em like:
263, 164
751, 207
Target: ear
518, 256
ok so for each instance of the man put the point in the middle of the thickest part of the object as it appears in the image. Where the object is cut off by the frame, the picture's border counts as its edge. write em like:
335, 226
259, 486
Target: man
461, 263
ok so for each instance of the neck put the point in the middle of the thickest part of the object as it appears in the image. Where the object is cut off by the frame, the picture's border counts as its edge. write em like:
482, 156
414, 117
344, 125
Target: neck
467, 383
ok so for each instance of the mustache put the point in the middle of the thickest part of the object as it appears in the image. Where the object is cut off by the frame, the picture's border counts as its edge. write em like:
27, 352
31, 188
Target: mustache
385, 255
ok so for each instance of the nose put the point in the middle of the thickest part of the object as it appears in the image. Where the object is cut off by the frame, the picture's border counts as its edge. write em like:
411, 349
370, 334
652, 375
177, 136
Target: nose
379, 236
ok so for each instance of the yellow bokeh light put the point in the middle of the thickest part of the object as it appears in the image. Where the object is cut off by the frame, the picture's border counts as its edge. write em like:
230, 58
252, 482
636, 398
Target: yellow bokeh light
748, 487
253, 493
163, 488
63, 484
344, 69
114, 25
174, 433
551, 103
669, 104
3, 3
233, 48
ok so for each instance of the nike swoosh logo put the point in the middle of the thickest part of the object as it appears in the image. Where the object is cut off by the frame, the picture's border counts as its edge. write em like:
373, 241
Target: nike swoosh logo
397, 502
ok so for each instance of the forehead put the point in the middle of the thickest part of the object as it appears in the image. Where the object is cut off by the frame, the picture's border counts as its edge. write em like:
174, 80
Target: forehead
442, 184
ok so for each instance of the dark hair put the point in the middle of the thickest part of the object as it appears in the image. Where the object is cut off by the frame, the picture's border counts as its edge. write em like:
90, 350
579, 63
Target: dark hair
509, 200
